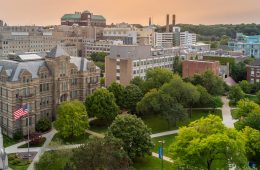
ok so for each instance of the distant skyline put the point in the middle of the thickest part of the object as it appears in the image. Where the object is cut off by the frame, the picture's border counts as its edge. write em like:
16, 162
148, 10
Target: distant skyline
49, 12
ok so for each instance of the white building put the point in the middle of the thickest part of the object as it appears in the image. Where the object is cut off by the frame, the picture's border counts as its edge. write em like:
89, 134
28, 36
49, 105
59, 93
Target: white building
101, 46
164, 39
187, 38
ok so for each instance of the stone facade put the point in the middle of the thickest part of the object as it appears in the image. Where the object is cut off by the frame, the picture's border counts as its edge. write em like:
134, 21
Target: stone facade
43, 83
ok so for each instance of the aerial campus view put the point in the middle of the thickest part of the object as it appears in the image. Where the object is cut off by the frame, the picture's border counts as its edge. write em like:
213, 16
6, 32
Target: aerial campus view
129, 85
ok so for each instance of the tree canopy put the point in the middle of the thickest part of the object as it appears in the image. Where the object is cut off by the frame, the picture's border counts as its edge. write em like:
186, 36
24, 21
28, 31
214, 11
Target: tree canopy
102, 105
132, 95
235, 94
206, 140
72, 119
118, 91
134, 134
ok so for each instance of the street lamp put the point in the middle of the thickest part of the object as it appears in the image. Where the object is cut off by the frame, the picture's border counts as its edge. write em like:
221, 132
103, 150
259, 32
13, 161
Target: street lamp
161, 151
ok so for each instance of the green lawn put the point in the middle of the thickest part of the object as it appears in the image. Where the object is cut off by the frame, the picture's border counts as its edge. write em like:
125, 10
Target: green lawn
41, 142
168, 140
152, 163
58, 140
17, 164
9, 141
53, 160
159, 124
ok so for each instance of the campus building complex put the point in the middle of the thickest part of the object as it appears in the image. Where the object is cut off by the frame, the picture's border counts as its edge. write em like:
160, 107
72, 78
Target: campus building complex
85, 18
253, 72
42, 81
128, 61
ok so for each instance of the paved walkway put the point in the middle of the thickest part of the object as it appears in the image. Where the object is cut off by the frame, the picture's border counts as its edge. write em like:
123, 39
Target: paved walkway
164, 133
228, 121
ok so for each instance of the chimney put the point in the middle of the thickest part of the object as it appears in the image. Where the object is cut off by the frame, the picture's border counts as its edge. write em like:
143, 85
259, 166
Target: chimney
150, 21
167, 23
173, 20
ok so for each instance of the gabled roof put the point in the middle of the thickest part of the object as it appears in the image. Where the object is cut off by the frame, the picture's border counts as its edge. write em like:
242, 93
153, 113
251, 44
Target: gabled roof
57, 52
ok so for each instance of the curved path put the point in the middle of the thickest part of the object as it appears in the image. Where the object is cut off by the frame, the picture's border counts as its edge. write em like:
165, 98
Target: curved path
228, 121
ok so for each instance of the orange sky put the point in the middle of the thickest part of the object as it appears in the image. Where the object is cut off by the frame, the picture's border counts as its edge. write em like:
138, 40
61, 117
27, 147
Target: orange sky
48, 12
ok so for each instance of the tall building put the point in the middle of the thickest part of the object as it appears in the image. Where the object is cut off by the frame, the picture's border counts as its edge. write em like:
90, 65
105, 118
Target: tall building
164, 39
187, 38
42, 82
85, 18
192, 67
128, 61
248, 45
101, 46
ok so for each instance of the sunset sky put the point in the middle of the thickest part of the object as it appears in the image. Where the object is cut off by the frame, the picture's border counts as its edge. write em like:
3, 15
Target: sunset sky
49, 12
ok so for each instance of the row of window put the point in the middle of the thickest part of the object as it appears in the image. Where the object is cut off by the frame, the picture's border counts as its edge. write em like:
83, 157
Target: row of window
152, 61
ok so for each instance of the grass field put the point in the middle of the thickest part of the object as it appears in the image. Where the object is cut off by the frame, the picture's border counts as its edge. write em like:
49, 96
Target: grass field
168, 140
16, 163
152, 163
58, 140
159, 124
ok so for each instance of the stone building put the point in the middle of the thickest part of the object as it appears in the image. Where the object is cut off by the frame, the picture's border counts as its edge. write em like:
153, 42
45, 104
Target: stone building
42, 82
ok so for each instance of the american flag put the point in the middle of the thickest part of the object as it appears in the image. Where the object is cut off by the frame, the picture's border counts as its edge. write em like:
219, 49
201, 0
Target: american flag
21, 112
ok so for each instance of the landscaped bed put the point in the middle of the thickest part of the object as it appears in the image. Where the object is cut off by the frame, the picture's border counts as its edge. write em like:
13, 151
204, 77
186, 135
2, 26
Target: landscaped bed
58, 140
34, 144
17, 163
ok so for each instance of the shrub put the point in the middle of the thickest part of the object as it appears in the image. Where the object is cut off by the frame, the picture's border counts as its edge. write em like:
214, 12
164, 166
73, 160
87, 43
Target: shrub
43, 125
18, 135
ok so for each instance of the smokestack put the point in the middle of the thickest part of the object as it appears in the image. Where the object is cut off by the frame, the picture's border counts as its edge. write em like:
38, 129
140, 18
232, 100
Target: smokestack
173, 20
150, 21
167, 23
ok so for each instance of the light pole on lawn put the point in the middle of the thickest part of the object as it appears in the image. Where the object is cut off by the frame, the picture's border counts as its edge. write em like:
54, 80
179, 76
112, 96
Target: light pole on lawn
161, 151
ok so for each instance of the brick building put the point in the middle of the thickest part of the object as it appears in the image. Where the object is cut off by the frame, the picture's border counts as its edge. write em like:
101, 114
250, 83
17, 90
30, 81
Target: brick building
85, 18
192, 67
253, 72
42, 82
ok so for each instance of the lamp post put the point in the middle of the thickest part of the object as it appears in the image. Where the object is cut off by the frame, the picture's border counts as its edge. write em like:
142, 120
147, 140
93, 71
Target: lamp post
161, 151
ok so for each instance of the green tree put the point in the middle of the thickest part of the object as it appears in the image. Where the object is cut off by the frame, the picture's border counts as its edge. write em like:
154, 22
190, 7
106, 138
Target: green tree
138, 81
156, 77
99, 56
118, 91
132, 95
177, 65
43, 125
205, 98
252, 138
134, 134
107, 153
213, 83
258, 97
245, 86
205, 141
244, 107
102, 105
235, 94
72, 119
238, 71
252, 120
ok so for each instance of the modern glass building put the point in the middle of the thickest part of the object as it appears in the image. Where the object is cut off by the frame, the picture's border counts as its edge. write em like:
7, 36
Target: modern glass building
249, 45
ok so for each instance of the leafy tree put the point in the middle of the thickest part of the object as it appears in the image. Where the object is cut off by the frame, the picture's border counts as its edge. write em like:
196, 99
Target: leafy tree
156, 77
245, 86
99, 56
224, 40
43, 125
102, 82
177, 65
213, 83
205, 97
150, 103
238, 71
102, 105
252, 120
235, 94
258, 97
205, 141
132, 95
216, 102
138, 81
118, 91
244, 107
72, 119
134, 134
252, 138
107, 153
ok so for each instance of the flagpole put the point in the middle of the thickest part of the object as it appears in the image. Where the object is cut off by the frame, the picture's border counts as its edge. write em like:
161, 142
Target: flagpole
28, 131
